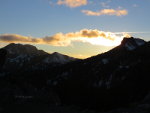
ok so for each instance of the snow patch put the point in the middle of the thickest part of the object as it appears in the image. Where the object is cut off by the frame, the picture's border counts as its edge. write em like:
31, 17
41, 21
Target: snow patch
137, 42
56, 58
130, 47
105, 61
140, 42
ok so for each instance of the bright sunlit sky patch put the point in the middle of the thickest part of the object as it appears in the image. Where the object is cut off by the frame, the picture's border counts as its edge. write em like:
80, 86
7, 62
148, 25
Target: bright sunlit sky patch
57, 25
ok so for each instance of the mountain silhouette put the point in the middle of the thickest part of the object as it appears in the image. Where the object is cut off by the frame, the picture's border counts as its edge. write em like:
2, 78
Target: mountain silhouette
113, 82
27, 57
113, 79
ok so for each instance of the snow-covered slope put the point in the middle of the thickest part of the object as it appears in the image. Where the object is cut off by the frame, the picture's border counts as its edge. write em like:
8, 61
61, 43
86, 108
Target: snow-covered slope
58, 58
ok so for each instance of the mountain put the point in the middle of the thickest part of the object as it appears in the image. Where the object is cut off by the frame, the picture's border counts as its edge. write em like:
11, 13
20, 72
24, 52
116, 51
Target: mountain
117, 78
27, 49
132, 43
28, 57
20, 50
113, 82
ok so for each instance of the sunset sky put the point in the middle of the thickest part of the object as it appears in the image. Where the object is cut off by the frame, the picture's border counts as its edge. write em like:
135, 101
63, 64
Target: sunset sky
78, 28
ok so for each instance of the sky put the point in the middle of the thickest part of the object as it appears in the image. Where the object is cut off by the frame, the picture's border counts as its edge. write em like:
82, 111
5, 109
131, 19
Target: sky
78, 28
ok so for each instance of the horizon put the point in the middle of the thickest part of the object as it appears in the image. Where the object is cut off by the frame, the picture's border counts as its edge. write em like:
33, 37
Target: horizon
77, 28
79, 57
66, 54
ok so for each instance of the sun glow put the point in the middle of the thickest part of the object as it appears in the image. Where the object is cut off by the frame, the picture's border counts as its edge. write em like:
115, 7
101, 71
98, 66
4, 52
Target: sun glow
113, 41
105, 42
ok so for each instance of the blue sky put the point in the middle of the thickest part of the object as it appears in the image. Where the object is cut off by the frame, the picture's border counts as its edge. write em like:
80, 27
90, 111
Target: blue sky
40, 18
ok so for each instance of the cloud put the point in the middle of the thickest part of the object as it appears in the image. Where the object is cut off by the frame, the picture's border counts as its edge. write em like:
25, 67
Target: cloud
72, 3
106, 12
95, 37
17, 38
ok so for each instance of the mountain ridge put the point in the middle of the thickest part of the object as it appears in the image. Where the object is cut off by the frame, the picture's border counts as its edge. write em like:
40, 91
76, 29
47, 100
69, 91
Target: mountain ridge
116, 72
28, 57
117, 79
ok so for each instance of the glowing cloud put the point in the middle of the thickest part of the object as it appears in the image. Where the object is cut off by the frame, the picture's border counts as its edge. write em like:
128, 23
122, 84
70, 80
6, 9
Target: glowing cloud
95, 37
18, 38
72, 3
106, 12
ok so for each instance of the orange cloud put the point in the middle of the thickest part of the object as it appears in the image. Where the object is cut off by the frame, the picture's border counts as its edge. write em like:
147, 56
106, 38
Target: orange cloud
106, 12
72, 3
95, 37
18, 38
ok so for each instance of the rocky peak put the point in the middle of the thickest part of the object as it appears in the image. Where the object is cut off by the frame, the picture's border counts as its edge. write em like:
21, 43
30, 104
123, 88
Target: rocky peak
23, 49
132, 43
